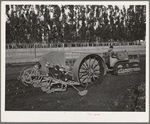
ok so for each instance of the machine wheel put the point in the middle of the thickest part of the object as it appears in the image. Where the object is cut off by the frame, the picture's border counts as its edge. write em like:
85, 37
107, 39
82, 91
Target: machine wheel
22, 71
89, 69
26, 75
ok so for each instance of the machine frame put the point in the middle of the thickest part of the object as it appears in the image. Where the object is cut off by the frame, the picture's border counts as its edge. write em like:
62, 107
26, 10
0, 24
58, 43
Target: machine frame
77, 69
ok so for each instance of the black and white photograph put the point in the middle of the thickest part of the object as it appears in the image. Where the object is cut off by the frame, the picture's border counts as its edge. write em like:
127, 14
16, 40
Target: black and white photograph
75, 61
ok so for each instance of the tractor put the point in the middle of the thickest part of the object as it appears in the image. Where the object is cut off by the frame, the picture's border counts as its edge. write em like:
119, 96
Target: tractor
122, 63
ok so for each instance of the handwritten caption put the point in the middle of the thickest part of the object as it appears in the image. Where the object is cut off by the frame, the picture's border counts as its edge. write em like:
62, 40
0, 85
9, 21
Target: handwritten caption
93, 114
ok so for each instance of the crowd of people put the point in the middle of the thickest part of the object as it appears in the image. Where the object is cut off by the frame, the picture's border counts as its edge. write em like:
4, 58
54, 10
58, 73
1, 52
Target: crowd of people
74, 23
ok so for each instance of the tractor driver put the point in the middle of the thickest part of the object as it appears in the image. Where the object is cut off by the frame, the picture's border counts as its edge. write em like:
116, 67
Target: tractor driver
111, 52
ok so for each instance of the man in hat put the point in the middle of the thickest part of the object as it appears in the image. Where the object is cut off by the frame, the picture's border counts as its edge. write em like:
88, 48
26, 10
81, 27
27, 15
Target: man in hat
111, 52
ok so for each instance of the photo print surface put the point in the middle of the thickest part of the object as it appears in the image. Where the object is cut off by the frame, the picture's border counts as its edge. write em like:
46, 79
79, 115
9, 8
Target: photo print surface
78, 58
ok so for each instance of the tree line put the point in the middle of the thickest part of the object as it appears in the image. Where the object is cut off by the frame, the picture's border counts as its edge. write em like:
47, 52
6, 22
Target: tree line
74, 23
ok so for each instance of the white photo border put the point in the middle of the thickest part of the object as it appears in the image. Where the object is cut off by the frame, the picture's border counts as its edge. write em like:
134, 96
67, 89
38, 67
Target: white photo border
66, 116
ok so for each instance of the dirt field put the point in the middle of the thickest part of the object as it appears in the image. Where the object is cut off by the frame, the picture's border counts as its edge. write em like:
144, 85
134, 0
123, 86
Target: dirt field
111, 95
